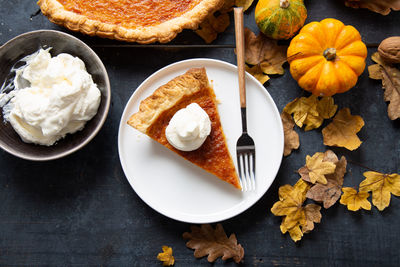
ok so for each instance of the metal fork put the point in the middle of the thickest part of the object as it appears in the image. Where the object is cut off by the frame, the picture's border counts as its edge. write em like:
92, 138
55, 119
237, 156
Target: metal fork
245, 148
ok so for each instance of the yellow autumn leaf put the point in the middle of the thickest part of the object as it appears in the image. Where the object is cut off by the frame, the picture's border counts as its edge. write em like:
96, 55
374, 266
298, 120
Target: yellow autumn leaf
316, 168
290, 198
295, 233
355, 200
306, 217
326, 107
304, 110
298, 219
166, 256
311, 111
342, 131
257, 72
382, 186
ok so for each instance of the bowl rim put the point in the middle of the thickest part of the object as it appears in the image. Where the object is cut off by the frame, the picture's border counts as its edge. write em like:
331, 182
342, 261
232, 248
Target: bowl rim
103, 116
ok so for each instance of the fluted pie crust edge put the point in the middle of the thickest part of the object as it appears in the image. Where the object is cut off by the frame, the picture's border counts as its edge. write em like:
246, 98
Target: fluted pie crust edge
163, 32
167, 96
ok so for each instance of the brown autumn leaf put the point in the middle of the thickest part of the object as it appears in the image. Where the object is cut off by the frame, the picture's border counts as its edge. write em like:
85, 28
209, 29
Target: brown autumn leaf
244, 3
316, 169
342, 131
298, 219
379, 6
313, 215
390, 77
291, 137
382, 186
215, 23
264, 52
355, 200
259, 49
329, 193
257, 72
213, 242
311, 111
166, 256
375, 72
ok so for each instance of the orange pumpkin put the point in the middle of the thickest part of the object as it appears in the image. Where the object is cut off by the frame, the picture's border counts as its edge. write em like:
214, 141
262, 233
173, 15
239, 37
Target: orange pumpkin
327, 57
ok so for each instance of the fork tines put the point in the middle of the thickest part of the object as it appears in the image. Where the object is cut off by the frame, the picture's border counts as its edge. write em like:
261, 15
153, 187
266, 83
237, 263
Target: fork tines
247, 165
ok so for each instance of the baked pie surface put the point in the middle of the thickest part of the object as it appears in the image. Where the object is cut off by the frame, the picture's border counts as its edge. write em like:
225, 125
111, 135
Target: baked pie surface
142, 21
156, 111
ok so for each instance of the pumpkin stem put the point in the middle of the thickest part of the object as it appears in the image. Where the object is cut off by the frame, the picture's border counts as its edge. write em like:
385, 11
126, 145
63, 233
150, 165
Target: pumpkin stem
330, 53
284, 3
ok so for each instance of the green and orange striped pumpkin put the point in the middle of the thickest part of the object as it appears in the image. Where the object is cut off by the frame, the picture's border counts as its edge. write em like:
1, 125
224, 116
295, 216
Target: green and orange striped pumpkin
280, 19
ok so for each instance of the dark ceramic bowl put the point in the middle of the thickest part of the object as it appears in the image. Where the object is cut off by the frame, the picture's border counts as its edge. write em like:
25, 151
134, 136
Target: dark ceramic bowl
28, 43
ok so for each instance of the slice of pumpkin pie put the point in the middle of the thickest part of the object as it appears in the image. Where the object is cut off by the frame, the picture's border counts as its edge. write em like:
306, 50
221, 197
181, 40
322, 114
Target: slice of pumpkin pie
182, 115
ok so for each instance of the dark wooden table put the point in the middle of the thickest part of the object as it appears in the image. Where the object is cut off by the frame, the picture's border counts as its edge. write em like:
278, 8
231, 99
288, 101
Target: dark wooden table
81, 211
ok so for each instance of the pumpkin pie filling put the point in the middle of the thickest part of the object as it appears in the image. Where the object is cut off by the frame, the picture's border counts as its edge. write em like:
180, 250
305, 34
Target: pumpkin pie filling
130, 12
213, 155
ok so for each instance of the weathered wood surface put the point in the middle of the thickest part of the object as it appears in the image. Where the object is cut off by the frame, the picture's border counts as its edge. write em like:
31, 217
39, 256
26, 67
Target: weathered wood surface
81, 211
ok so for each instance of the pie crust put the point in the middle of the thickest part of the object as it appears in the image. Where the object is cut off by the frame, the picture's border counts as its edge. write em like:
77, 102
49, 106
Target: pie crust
156, 111
162, 31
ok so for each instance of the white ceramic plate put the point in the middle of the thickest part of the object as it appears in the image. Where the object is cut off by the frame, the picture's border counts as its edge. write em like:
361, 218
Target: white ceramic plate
177, 188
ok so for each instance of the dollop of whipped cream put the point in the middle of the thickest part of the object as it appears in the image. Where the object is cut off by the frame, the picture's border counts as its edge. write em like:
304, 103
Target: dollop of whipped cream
188, 128
60, 98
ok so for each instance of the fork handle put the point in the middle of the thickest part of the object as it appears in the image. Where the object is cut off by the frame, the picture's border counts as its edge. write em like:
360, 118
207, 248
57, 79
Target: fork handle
239, 34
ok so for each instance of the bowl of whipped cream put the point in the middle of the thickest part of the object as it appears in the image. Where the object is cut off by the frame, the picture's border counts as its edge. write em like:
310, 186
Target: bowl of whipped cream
54, 95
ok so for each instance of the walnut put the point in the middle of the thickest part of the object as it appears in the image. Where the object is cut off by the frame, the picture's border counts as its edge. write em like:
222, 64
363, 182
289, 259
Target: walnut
389, 49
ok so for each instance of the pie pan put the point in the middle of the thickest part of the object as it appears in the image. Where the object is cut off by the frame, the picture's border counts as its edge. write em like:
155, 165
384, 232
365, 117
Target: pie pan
28, 43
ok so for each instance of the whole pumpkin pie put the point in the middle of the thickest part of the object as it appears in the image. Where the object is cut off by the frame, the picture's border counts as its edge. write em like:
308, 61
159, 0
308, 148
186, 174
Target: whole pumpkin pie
155, 113
142, 21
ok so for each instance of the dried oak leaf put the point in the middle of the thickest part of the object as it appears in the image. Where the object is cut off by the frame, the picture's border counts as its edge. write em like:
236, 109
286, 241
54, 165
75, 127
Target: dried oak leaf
382, 186
215, 23
214, 243
291, 137
298, 219
310, 111
355, 200
316, 168
244, 3
379, 6
390, 77
329, 193
257, 72
166, 256
342, 131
